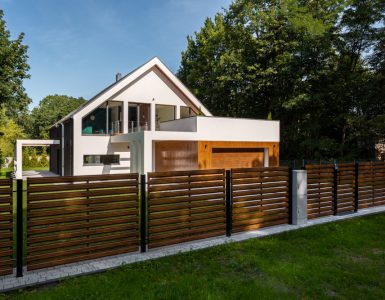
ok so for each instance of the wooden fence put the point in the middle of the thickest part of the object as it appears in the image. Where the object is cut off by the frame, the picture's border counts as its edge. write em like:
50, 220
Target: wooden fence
371, 184
345, 201
320, 190
70, 219
6, 227
185, 206
260, 197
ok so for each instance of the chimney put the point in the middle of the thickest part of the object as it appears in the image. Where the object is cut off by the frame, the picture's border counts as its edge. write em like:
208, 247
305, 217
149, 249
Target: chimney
118, 76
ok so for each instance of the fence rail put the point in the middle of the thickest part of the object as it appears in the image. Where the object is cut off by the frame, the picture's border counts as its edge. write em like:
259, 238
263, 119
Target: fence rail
260, 197
185, 206
70, 219
6, 227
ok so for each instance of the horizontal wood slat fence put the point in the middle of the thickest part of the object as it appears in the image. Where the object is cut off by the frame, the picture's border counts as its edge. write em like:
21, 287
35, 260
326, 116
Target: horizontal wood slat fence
75, 218
320, 190
371, 184
260, 197
185, 206
6, 227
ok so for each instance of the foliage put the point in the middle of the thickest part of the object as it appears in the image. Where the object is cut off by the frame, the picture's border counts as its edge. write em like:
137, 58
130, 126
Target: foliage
317, 66
11, 132
14, 69
50, 110
340, 260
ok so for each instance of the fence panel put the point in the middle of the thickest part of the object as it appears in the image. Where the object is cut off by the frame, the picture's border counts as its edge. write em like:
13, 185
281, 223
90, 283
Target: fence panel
320, 183
260, 197
6, 227
185, 206
75, 218
345, 187
371, 184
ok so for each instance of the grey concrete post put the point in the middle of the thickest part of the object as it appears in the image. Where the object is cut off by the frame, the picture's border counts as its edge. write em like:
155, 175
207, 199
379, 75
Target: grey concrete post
299, 190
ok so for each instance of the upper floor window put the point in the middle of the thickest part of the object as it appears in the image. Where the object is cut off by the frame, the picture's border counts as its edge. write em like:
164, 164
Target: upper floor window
186, 112
164, 113
106, 119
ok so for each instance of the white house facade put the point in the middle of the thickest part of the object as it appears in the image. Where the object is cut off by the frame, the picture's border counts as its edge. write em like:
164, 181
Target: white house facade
149, 121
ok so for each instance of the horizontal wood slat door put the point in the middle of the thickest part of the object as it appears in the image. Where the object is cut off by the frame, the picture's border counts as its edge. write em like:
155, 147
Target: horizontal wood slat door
260, 197
76, 218
185, 206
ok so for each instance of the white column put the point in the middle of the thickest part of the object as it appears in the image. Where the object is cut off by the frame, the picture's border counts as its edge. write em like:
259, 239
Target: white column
125, 117
265, 157
147, 154
153, 116
177, 113
18, 164
299, 197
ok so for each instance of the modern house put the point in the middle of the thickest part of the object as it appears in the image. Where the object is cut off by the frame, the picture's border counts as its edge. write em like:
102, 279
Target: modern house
149, 121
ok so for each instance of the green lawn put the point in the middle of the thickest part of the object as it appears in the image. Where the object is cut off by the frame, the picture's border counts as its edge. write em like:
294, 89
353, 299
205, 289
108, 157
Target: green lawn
344, 260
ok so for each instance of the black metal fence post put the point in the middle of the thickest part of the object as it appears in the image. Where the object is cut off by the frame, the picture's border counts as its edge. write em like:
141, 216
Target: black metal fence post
143, 214
229, 210
19, 228
290, 195
335, 190
356, 200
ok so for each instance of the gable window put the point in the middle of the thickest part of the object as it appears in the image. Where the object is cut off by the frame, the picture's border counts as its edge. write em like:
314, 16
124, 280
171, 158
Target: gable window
106, 119
164, 113
186, 112
97, 160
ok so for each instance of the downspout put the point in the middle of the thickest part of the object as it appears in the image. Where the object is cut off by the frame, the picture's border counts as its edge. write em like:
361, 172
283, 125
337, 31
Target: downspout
62, 149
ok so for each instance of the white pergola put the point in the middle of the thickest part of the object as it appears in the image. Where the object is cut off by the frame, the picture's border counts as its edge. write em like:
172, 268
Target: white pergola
18, 163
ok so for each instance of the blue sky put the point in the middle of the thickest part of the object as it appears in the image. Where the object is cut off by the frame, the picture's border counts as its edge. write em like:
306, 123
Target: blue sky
77, 46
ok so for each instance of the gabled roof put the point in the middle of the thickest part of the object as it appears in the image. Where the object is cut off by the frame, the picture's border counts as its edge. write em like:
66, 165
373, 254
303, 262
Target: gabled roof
132, 76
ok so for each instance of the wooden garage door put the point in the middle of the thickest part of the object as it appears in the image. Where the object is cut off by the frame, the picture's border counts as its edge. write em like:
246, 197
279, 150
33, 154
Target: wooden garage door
237, 157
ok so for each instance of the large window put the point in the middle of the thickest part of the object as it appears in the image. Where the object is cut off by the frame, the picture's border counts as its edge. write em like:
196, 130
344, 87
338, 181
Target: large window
96, 160
106, 119
164, 113
186, 112
139, 117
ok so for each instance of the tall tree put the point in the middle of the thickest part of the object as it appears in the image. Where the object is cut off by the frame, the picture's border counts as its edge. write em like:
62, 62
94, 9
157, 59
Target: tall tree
13, 70
303, 62
50, 110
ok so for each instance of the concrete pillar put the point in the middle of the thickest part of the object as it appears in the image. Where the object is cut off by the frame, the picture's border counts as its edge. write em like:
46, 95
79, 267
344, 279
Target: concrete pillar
125, 117
153, 116
265, 157
18, 163
299, 197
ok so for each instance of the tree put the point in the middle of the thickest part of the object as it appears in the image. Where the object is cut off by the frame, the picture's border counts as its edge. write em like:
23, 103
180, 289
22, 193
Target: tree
50, 110
11, 132
306, 63
13, 70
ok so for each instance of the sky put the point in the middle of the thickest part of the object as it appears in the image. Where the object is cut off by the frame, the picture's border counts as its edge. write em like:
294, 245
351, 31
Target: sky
76, 47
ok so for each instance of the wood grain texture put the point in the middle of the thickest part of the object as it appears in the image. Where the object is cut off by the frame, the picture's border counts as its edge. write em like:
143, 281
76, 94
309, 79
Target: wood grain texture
74, 218
229, 154
260, 197
6, 226
185, 206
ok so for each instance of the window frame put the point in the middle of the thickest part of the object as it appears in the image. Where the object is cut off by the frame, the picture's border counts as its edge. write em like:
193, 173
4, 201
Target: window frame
101, 163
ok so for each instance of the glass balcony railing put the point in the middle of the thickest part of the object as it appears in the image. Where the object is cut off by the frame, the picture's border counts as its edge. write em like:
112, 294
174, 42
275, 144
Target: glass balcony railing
137, 127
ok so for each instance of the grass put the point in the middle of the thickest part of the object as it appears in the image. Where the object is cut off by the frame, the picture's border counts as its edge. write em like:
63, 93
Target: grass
343, 260
7, 172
